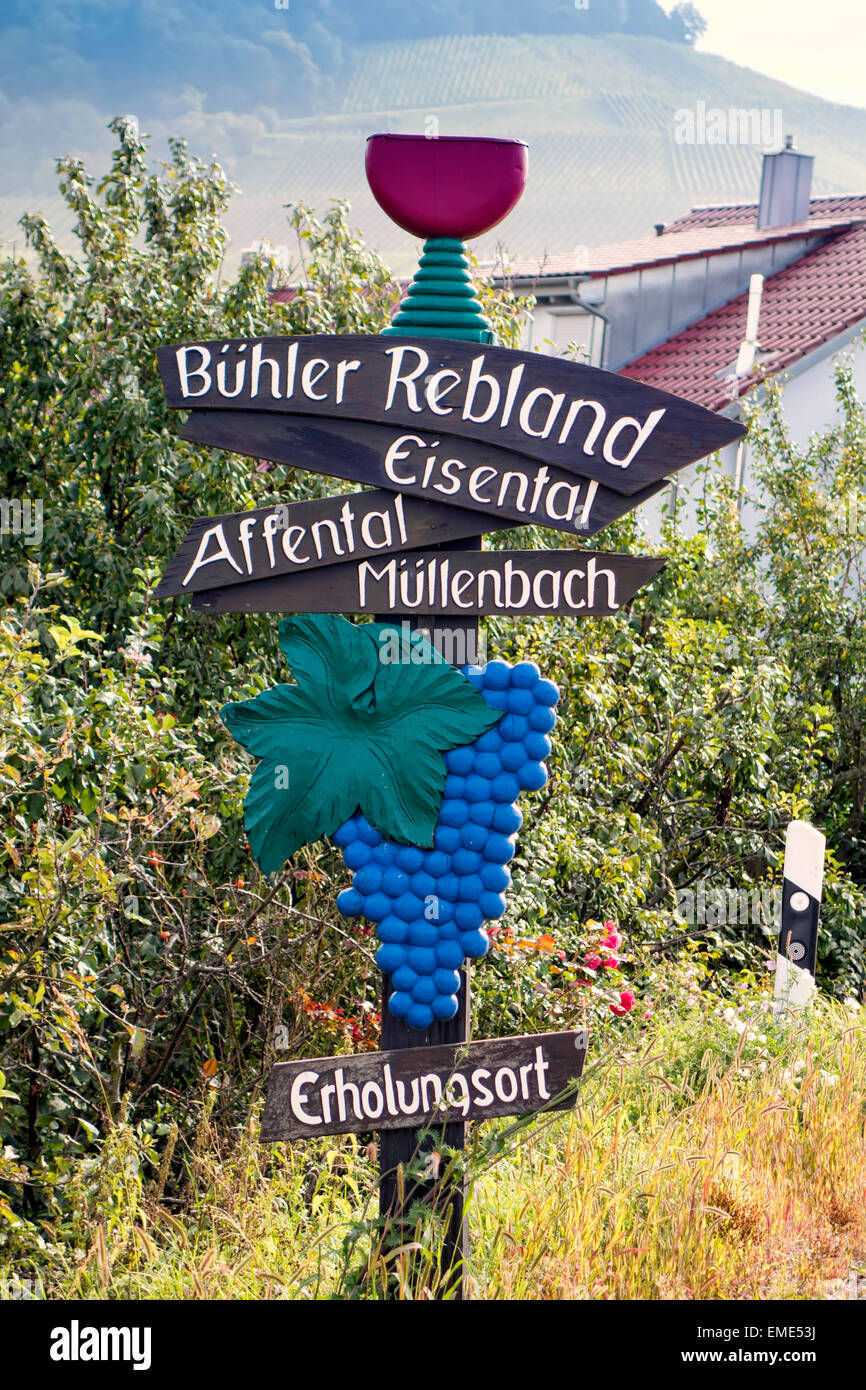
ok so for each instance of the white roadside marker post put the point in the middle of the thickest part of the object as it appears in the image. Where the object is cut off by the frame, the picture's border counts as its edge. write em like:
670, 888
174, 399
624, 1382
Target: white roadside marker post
803, 880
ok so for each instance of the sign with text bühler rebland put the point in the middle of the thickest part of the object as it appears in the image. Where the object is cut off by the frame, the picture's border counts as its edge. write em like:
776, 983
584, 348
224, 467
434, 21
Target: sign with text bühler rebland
411, 765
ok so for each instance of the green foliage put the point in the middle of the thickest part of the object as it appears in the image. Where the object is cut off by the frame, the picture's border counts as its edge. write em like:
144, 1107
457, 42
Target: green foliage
148, 973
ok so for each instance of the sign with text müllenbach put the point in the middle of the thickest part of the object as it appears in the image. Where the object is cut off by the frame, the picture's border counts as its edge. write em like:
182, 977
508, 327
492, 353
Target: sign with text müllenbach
574, 583
423, 1086
461, 473
581, 419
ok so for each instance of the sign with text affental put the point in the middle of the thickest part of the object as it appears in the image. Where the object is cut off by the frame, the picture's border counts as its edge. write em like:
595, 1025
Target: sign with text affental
290, 538
423, 1086
581, 419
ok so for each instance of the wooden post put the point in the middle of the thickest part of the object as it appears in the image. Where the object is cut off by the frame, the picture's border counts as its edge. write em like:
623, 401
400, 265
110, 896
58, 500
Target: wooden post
399, 1147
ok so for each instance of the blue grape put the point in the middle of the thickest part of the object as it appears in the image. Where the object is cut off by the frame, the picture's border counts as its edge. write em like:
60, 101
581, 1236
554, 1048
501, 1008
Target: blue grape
525, 675
437, 863
450, 954
532, 776
513, 755
404, 978
505, 788
465, 861
430, 905
423, 933
350, 902
409, 907
393, 929
496, 676
393, 882
446, 838
477, 789
368, 879
474, 836
542, 719
460, 760
367, 832
520, 701
424, 990
468, 916
537, 745
357, 854
409, 858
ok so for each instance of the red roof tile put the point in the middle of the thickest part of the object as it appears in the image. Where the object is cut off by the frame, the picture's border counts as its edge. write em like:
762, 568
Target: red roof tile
618, 257
846, 207
806, 304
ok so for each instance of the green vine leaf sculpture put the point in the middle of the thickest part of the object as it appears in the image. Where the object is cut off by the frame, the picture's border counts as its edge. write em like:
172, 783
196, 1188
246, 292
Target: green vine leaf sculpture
365, 727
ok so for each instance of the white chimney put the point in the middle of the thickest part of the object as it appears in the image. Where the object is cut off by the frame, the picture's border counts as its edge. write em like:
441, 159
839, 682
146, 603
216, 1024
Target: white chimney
786, 187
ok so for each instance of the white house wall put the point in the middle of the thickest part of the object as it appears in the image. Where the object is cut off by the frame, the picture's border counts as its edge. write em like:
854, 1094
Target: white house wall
810, 407
646, 307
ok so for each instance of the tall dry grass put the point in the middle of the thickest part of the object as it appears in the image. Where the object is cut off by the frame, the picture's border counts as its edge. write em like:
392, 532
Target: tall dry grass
745, 1180
723, 1157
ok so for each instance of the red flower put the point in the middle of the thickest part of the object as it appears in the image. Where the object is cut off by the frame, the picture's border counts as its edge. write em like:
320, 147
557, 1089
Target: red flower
626, 1003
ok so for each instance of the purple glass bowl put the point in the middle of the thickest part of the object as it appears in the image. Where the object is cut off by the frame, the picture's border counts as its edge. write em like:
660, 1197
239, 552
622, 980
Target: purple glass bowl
450, 186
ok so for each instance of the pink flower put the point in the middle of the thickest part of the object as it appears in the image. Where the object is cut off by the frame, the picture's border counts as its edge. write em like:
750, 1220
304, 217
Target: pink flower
612, 940
610, 962
626, 1003
592, 962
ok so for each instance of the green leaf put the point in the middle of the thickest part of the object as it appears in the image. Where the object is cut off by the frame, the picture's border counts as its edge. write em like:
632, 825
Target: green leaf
365, 728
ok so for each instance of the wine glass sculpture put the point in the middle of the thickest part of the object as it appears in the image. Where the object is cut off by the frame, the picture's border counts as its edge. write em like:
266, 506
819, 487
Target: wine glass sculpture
445, 189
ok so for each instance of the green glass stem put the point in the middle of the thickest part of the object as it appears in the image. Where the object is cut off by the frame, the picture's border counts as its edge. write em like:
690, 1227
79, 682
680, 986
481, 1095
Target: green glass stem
441, 300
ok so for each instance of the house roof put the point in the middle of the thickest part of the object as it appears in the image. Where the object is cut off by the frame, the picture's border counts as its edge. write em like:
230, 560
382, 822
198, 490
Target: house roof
846, 207
806, 304
681, 242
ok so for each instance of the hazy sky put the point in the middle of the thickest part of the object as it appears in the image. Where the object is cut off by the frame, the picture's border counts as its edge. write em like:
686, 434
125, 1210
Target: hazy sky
819, 45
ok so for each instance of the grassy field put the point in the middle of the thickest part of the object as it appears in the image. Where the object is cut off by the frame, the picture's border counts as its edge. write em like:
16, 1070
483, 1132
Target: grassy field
714, 1154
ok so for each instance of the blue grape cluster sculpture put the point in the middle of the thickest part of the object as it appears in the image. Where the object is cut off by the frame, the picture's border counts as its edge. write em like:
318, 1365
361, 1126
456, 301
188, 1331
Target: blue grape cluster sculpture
430, 906
386, 748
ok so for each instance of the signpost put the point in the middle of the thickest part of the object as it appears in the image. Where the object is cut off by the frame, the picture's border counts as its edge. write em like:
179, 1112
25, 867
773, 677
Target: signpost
802, 885
588, 422
453, 438
417, 1087
573, 583
497, 483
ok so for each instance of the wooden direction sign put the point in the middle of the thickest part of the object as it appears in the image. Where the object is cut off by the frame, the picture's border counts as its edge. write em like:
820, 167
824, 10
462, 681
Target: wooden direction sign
584, 420
290, 538
580, 584
494, 482
423, 1086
